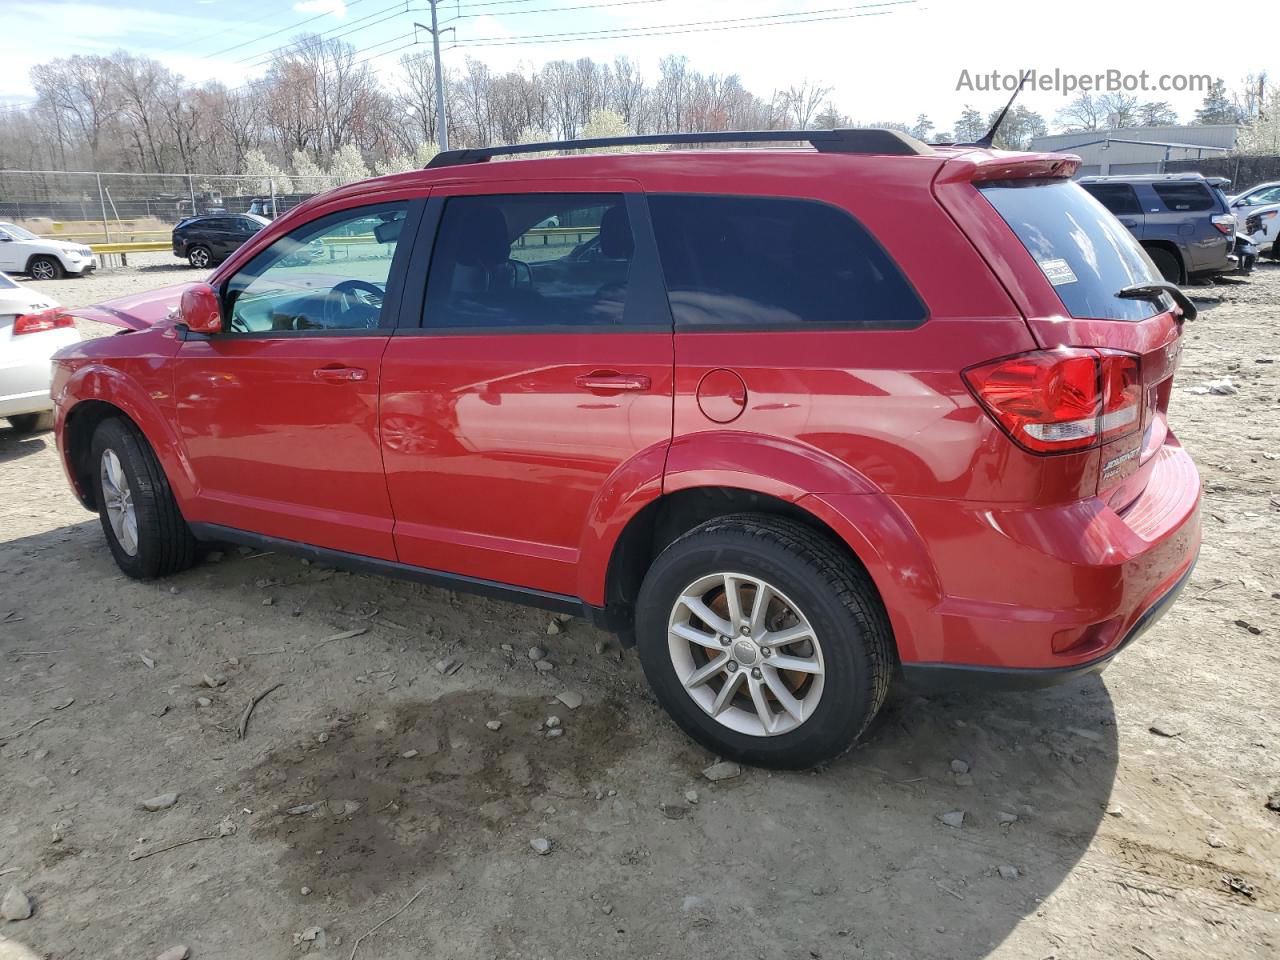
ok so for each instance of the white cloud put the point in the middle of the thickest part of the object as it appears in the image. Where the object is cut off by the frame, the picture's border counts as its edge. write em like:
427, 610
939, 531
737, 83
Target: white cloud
336, 8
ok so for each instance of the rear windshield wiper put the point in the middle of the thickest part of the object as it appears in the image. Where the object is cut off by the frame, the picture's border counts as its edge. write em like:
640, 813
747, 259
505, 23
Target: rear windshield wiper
1153, 290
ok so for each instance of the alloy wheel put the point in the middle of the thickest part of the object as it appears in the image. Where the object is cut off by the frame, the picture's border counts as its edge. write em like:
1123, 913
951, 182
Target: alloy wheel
117, 500
746, 654
42, 270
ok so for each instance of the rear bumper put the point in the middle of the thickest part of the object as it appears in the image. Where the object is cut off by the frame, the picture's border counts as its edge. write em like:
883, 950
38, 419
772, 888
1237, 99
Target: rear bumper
978, 591
942, 677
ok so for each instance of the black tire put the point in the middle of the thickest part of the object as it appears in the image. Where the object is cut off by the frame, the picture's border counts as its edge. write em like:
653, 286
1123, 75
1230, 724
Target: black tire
32, 422
1274, 252
46, 268
837, 598
165, 544
1170, 266
200, 257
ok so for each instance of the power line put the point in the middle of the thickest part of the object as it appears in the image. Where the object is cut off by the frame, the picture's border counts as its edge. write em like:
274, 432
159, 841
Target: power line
699, 26
293, 26
334, 33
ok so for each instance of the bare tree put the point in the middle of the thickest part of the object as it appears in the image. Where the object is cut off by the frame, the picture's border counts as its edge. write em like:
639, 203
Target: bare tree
1084, 113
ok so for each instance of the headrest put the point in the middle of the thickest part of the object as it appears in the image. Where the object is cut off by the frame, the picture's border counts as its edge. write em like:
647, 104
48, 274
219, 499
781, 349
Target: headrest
616, 241
483, 241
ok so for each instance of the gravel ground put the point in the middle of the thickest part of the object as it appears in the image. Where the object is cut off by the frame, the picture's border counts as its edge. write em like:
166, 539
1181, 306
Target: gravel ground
1085, 833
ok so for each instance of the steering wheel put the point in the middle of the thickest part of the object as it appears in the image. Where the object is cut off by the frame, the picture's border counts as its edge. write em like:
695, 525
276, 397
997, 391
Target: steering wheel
350, 295
517, 266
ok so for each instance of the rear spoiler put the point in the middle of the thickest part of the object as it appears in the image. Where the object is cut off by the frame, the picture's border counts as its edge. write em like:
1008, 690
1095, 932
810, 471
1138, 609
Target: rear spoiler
984, 166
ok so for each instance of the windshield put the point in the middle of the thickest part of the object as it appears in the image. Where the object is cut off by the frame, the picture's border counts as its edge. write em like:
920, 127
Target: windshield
17, 232
1084, 251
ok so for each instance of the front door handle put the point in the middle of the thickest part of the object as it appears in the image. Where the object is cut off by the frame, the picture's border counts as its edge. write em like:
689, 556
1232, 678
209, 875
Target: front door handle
610, 381
339, 374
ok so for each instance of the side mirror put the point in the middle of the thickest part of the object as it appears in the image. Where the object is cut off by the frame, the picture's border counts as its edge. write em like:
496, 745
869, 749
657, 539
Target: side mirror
200, 309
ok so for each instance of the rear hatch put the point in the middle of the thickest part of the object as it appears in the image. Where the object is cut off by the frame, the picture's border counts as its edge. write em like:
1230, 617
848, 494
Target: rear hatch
1074, 261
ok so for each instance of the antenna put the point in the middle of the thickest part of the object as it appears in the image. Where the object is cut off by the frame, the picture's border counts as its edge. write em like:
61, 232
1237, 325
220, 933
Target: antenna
990, 137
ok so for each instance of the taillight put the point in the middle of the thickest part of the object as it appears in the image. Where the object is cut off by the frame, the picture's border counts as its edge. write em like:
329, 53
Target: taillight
1225, 223
51, 319
1062, 400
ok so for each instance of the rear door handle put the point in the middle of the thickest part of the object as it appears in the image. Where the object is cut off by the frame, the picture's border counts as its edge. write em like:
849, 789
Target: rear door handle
339, 374
610, 381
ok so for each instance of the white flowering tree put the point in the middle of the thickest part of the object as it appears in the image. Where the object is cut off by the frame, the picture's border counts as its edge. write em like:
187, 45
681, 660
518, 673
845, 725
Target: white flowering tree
347, 165
266, 175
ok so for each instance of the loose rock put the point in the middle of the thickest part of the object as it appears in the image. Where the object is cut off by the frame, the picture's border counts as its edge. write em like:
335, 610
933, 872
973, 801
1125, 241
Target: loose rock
691, 796
1008, 872
959, 766
724, 770
409, 754
1215, 841
552, 722
953, 819
494, 725
537, 653
570, 699
1005, 818
213, 681
179, 952
541, 846
16, 905
555, 732
448, 666
301, 809
553, 628
203, 702
305, 891
162, 802
544, 666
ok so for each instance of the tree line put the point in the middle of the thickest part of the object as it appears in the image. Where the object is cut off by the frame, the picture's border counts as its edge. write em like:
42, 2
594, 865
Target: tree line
320, 108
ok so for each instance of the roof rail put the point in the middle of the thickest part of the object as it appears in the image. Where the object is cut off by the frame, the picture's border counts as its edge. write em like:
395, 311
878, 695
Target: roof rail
868, 140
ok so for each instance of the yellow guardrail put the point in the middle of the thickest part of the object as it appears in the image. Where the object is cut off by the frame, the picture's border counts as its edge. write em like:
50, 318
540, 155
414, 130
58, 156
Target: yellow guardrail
144, 246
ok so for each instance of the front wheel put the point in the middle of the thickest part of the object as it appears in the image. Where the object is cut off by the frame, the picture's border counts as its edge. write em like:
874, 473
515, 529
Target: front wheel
140, 517
46, 268
763, 641
199, 257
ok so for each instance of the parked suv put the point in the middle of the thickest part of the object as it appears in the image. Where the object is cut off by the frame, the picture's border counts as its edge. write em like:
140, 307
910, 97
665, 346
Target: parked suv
40, 258
205, 241
1182, 220
724, 403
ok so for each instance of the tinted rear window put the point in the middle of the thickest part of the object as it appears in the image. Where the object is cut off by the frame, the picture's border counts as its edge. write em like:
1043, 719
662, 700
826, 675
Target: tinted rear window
776, 263
1084, 251
1184, 197
1119, 198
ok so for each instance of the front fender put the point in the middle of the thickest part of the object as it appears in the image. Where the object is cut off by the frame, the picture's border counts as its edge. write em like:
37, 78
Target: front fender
145, 406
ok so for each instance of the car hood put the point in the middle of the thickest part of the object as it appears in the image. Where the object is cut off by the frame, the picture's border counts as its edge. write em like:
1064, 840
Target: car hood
136, 312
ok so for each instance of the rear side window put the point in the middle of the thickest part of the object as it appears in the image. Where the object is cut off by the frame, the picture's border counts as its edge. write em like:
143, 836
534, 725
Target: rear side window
1119, 198
536, 261
1184, 197
1087, 255
776, 263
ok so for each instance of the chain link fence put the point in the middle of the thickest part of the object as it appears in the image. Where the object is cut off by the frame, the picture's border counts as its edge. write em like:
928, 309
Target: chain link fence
137, 207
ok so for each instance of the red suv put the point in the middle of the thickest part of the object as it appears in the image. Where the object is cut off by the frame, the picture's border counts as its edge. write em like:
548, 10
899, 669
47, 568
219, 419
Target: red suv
793, 421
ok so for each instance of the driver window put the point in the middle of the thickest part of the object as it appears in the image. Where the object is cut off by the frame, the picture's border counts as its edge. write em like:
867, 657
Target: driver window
330, 274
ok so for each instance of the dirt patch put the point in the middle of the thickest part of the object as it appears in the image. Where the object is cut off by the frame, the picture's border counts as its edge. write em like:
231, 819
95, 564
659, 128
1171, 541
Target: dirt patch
383, 795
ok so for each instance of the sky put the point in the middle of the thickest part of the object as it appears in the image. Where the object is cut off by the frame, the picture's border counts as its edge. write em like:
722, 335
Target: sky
884, 60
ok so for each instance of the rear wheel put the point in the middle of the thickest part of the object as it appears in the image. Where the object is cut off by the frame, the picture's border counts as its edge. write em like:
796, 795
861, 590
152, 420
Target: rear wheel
46, 268
199, 257
1274, 253
32, 422
763, 641
1169, 266
140, 518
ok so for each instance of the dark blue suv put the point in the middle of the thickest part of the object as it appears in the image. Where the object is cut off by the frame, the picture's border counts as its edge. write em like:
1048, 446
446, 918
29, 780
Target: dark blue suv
1182, 220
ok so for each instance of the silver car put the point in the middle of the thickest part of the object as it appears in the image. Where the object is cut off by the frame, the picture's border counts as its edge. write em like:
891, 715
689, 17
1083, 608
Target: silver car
33, 326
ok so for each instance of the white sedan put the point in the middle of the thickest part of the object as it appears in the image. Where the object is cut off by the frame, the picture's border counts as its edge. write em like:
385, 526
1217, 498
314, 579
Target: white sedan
33, 326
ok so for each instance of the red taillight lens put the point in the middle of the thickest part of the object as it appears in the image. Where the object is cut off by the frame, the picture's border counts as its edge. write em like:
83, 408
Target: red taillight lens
1121, 395
50, 319
1225, 223
1061, 400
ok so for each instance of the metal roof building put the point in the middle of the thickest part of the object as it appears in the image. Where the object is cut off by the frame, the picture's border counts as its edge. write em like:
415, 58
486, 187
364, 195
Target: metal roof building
1139, 149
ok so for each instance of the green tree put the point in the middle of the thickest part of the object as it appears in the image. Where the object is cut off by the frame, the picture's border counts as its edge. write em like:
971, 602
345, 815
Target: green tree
1157, 113
347, 164
1216, 106
970, 126
268, 175
1020, 126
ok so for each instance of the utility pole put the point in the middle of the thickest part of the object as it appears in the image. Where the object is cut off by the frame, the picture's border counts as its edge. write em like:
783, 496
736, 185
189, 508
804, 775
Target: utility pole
442, 125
